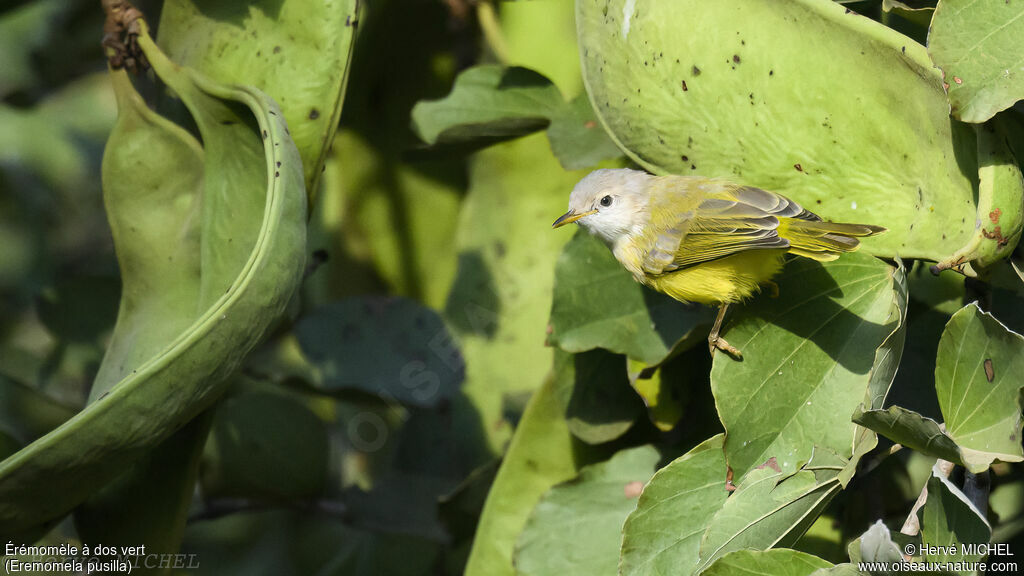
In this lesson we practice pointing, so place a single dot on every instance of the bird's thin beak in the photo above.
(570, 217)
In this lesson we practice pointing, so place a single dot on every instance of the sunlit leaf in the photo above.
(769, 509)
(977, 46)
(809, 356)
(296, 51)
(948, 521)
(977, 379)
(685, 495)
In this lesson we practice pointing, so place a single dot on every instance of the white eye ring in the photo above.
(606, 201)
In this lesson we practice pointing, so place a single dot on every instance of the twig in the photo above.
(121, 36)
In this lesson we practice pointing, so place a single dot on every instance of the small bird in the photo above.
(700, 239)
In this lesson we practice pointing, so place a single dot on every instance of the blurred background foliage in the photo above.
(427, 249)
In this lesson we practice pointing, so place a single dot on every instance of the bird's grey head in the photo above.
(609, 203)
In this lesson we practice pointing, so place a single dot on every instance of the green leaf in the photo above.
(779, 562)
(542, 454)
(890, 352)
(757, 99)
(911, 430)
(578, 139)
(977, 46)
(948, 519)
(977, 380)
(770, 508)
(489, 103)
(191, 307)
(296, 51)
(264, 446)
(389, 347)
(809, 357)
(597, 304)
(684, 495)
(876, 545)
(600, 405)
(576, 528)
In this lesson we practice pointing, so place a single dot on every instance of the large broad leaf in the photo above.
(223, 279)
(542, 454)
(948, 521)
(809, 356)
(977, 46)
(576, 528)
(780, 562)
(977, 379)
(663, 534)
(597, 304)
(788, 96)
(388, 347)
(296, 51)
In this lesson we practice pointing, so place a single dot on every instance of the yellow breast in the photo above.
(725, 280)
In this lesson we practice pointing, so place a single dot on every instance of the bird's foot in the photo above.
(773, 288)
(717, 343)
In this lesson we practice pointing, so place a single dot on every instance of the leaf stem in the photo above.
(489, 25)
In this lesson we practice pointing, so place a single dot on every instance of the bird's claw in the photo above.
(717, 343)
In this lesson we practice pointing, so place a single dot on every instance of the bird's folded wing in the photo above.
(728, 220)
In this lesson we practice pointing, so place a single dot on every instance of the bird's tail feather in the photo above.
(823, 241)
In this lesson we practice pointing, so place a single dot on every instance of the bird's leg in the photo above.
(717, 343)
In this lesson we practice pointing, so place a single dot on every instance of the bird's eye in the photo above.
(606, 201)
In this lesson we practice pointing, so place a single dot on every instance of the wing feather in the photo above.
(728, 219)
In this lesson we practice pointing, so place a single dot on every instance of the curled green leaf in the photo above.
(295, 51)
(234, 258)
